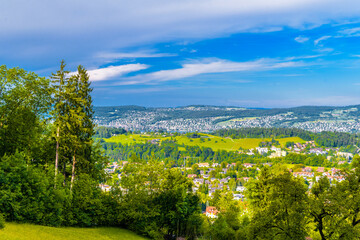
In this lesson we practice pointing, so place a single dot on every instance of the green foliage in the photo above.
(335, 208)
(277, 205)
(2, 221)
(158, 202)
(107, 132)
(273, 142)
(220, 230)
(24, 102)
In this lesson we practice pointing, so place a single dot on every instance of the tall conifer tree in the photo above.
(82, 128)
(59, 79)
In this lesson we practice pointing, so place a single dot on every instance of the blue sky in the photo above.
(172, 53)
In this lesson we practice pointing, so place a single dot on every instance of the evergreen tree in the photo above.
(59, 79)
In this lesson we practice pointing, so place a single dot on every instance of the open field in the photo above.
(14, 231)
(206, 140)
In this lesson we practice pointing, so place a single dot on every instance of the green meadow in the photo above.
(206, 140)
(15, 231)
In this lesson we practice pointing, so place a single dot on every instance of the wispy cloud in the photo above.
(110, 72)
(302, 57)
(317, 41)
(350, 32)
(207, 66)
(301, 39)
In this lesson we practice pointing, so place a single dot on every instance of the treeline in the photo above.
(264, 133)
(174, 155)
(325, 139)
(107, 132)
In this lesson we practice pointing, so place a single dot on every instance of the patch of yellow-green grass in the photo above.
(182, 149)
(220, 143)
(206, 140)
(229, 144)
(15, 231)
(132, 138)
(283, 141)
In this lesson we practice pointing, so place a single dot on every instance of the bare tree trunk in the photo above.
(73, 173)
(57, 154)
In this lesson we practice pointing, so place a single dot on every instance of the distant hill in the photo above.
(210, 118)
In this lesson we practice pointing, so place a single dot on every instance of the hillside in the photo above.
(14, 231)
(206, 140)
(211, 118)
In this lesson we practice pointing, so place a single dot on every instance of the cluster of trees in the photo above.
(325, 139)
(280, 206)
(107, 132)
(273, 142)
(173, 155)
(258, 132)
(157, 202)
(51, 168)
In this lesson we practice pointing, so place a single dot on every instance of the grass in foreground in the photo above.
(15, 231)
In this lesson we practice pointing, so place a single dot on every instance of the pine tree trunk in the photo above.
(73, 172)
(57, 154)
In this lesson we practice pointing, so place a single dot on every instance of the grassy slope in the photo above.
(214, 142)
(14, 231)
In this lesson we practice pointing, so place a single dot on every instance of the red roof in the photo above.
(212, 210)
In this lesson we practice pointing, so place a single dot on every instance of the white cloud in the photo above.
(301, 39)
(207, 66)
(106, 25)
(302, 57)
(317, 41)
(110, 72)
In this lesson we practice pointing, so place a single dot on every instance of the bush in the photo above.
(2, 221)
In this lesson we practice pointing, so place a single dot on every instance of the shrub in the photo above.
(2, 221)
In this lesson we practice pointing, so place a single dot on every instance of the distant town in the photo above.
(209, 118)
